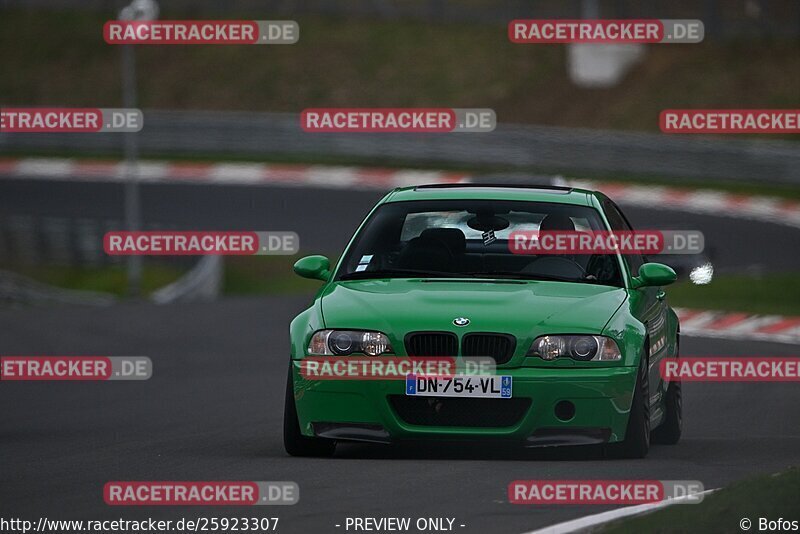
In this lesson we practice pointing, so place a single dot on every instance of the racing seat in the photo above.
(555, 264)
(556, 222)
(435, 249)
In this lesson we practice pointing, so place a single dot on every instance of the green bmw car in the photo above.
(575, 339)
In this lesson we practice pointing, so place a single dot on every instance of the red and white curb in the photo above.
(703, 201)
(718, 203)
(594, 520)
(727, 325)
(322, 176)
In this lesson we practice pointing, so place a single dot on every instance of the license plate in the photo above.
(496, 387)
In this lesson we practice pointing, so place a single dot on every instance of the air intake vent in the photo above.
(432, 344)
(500, 347)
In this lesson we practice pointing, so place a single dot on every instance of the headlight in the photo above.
(344, 342)
(581, 348)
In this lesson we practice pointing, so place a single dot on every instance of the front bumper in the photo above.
(379, 411)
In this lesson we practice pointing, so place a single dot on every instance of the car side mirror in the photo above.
(654, 275)
(314, 267)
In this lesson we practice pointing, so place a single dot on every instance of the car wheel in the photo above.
(637, 434)
(669, 432)
(295, 443)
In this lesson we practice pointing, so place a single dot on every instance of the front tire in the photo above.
(637, 434)
(295, 443)
(669, 432)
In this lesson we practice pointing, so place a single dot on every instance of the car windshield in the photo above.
(470, 239)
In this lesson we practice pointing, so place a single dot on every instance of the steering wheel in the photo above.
(558, 266)
(601, 267)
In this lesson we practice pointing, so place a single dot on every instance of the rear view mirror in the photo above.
(314, 267)
(654, 275)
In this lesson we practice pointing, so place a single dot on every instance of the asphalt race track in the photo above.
(213, 408)
(326, 218)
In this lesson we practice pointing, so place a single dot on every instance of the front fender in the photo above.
(629, 333)
(673, 329)
(300, 329)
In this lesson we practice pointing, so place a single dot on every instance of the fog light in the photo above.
(564, 410)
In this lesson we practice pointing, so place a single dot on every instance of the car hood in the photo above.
(523, 309)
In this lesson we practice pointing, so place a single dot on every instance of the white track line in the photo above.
(604, 517)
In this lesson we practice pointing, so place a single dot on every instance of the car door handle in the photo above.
(661, 294)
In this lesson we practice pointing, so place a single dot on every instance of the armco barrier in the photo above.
(202, 283)
(569, 150)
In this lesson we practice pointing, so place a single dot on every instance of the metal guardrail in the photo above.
(202, 283)
(28, 240)
(552, 149)
(16, 289)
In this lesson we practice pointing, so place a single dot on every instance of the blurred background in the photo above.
(222, 149)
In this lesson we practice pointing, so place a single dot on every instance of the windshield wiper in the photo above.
(398, 273)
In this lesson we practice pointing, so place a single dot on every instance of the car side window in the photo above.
(619, 223)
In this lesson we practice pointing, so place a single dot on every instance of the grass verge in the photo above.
(107, 278)
(59, 58)
(767, 496)
(266, 275)
(261, 275)
(774, 293)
